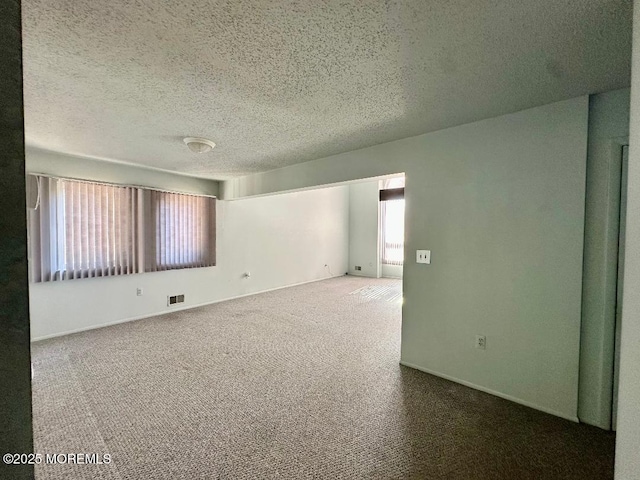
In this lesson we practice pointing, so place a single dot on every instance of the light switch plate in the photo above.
(423, 256)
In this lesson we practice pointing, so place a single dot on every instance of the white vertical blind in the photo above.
(83, 229)
(184, 230)
(98, 229)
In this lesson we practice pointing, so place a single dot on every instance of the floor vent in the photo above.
(173, 299)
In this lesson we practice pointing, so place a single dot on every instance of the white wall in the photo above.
(608, 131)
(628, 436)
(363, 228)
(70, 166)
(282, 240)
(500, 203)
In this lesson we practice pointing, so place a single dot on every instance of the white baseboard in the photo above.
(360, 275)
(178, 309)
(493, 392)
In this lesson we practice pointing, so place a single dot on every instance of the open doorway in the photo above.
(391, 227)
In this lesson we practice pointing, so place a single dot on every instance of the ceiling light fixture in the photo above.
(199, 145)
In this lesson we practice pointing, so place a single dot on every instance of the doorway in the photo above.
(392, 227)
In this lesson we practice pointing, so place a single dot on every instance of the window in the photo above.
(181, 231)
(83, 229)
(392, 220)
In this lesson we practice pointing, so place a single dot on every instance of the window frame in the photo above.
(46, 237)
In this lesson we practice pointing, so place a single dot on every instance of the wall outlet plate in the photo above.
(423, 256)
(139, 292)
(481, 342)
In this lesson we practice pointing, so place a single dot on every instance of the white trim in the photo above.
(172, 310)
(493, 392)
(360, 275)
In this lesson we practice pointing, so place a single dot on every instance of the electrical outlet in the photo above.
(358, 268)
(423, 256)
(139, 292)
(481, 342)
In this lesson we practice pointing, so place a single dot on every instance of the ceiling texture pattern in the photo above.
(275, 83)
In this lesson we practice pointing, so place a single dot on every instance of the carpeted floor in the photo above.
(298, 383)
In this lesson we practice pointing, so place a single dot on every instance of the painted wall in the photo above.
(628, 436)
(608, 130)
(281, 240)
(363, 228)
(500, 203)
(69, 166)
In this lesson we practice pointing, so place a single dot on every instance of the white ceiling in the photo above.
(275, 83)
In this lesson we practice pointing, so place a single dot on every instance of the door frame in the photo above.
(622, 220)
(388, 271)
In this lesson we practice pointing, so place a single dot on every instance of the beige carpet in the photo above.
(298, 383)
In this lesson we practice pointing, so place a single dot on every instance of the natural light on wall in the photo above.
(392, 228)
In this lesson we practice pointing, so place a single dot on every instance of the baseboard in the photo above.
(360, 275)
(492, 392)
(173, 310)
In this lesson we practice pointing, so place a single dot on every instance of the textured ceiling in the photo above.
(280, 82)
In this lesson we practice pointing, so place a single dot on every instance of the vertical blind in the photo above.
(392, 216)
(83, 229)
(184, 229)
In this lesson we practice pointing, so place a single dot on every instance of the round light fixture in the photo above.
(199, 145)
